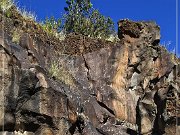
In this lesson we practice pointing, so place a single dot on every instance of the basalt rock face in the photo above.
(131, 87)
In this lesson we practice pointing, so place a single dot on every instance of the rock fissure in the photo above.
(128, 87)
(87, 68)
(104, 106)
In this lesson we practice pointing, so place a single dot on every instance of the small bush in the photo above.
(16, 34)
(8, 13)
(54, 26)
(51, 25)
(60, 73)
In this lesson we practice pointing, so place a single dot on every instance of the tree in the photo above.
(83, 19)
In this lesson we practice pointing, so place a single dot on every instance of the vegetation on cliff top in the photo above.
(80, 22)
(6, 5)
(80, 17)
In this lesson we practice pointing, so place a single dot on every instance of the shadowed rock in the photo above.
(130, 87)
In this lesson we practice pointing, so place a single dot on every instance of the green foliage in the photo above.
(8, 13)
(78, 6)
(81, 18)
(51, 25)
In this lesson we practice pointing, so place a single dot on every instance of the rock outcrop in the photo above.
(82, 86)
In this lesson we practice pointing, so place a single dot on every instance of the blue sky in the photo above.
(161, 11)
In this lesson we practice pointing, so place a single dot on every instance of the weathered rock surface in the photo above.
(131, 87)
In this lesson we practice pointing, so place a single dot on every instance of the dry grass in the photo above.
(6, 4)
(61, 73)
(16, 35)
(28, 15)
(113, 38)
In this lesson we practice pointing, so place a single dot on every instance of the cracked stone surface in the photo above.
(131, 87)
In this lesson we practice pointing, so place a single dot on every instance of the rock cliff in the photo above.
(83, 86)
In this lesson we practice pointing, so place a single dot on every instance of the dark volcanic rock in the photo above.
(128, 88)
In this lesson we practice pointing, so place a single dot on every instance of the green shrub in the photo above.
(81, 18)
(51, 25)
(8, 13)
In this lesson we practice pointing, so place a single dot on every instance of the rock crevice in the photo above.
(131, 87)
